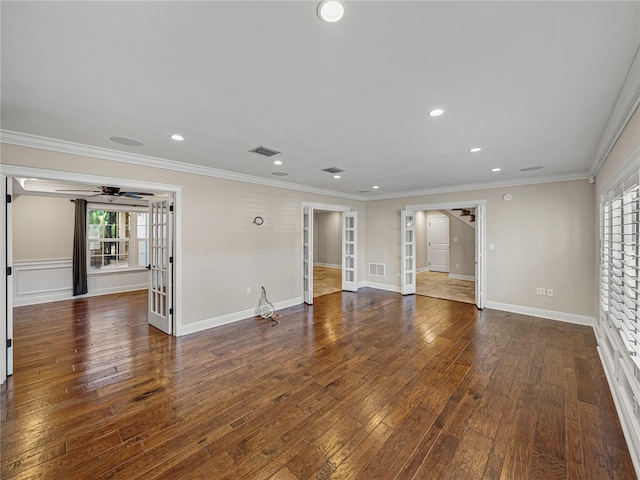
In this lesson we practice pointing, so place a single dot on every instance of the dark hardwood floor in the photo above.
(370, 385)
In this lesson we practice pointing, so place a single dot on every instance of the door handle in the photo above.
(148, 267)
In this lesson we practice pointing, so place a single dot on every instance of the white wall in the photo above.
(223, 252)
(327, 238)
(542, 238)
(462, 255)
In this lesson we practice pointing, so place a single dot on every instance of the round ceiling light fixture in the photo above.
(497, 169)
(177, 137)
(277, 162)
(127, 141)
(436, 112)
(375, 187)
(330, 10)
(475, 149)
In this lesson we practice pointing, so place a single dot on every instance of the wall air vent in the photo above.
(267, 152)
(376, 269)
(333, 170)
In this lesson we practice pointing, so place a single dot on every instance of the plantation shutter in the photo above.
(620, 261)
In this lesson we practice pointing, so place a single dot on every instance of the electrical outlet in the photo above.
(398, 274)
(457, 265)
(248, 290)
(549, 292)
(540, 291)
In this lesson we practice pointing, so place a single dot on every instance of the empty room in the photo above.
(219, 218)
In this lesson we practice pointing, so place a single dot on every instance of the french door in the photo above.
(160, 264)
(307, 254)
(349, 251)
(408, 257)
(480, 226)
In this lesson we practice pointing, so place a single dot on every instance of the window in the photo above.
(118, 238)
(620, 262)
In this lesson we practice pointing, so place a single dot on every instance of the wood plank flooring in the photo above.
(439, 285)
(370, 385)
(326, 280)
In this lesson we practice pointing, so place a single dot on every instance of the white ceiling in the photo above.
(532, 83)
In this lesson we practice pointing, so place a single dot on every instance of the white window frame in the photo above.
(132, 240)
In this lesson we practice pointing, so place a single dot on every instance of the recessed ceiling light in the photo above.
(127, 141)
(336, 176)
(475, 149)
(496, 169)
(436, 112)
(177, 137)
(376, 186)
(277, 162)
(330, 10)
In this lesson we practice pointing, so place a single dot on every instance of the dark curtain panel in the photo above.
(80, 249)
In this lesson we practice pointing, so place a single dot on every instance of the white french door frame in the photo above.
(308, 210)
(8, 172)
(480, 240)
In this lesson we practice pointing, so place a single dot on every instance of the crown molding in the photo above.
(487, 185)
(63, 146)
(626, 104)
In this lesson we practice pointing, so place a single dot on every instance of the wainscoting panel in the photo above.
(41, 281)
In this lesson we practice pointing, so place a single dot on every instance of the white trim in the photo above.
(485, 186)
(630, 429)
(326, 207)
(626, 104)
(539, 312)
(630, 164)
(328, 265)
(44, 143)
(455, 276)
(422, 269)
(383, 286)
(231, 317)
(445, 205)
(67, 294)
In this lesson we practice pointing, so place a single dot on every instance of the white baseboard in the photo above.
(383, 286)
(67, 294)
(328, 265)
(539, 312)
(194, 327)
(455, 276)
(630, 428)
(422, 269)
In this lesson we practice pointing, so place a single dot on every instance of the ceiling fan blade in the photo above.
(130, 195)
(138, 193)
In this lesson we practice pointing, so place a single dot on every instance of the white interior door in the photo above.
(438, 243)
(408, 258)
(8, 238)
(307, 254)
(350, 251)
(480, 275)
(160, 258)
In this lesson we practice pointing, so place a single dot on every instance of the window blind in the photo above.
(620, 261)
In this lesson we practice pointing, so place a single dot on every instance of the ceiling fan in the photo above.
(110, 192)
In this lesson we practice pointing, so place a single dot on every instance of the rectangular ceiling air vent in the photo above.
(267, 152)
(333, 170)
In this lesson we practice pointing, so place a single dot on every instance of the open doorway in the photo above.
(327, 252)
(445, 254)
(458, 263)
(40, 272)
(348, 247)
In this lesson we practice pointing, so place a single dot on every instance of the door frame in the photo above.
(313, 207)
(175, 191)
(480, 239)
